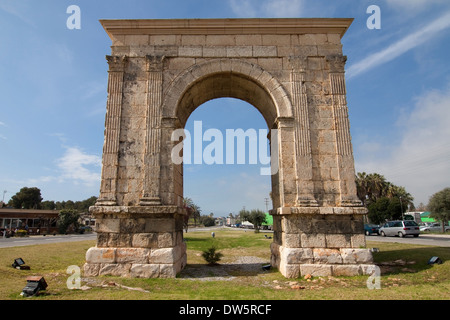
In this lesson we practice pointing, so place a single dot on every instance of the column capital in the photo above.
(284, 122)
(154, 63)
(336, 63)
(117, 63)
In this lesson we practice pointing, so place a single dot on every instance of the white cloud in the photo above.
(421, 160)
(267, 8)
(400, 47)
(3, 137)
(79, 167)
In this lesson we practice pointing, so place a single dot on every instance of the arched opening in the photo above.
(224, 183)
(242, 88)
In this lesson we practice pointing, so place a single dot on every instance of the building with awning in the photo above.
(33, 220)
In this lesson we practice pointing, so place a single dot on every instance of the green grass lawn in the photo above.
(405, 274)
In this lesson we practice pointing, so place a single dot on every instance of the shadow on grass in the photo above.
(225, 271)
(409, 260)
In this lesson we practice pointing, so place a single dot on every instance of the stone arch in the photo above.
(232, 78)
(292, 71)
(239, 79)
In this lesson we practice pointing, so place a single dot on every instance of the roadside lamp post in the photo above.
(401, 207)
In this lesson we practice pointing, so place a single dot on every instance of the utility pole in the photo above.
(401, 207)
(266, 200)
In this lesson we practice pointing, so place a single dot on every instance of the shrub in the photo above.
(211, 256)
(21, 233)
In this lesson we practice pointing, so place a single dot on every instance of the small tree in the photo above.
(26, 198)
(211, 256)
(66, 218)
(439, 206)
(207, 221)
(256, 217)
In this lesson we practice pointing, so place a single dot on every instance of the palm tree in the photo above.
(373, 186)
(362, 187)
(377, 184)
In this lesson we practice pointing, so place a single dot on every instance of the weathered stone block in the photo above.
(346, 270)
(167, 270)
(144, 270)
(316, 270)
(119, 240)
(356, 256)
(115, 269)
(108, 225)
(327, 256)
(100, 255)
(291, 240)
(163, 256)
(159, 225)
(297, 255)
(132, 255)
(132, 225)
(91, 269)
(165, 240)
(313, 240)
(338, 241)
(145, 240)
(289, 270)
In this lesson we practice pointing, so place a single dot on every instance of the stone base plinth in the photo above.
(135, 262)
(320, 241)
(296, 262)
(140, 242)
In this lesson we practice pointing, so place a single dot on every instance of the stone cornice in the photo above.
(226, 26)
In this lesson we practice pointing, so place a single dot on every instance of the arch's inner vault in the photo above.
(292, 71)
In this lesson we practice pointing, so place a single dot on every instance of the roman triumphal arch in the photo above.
(292, 71)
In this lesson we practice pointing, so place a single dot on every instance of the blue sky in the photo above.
(53, 95)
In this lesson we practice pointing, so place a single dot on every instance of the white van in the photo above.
(400, 228)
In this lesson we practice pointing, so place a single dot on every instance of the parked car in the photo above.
(434, 227)
(400, 228)
(370, 229)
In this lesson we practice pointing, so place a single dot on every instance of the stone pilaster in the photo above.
(152, 184)
(110, 162)
(303, 157)
(344, 155)
(286, 161)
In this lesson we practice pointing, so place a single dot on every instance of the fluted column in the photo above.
(152, 159)
(303, 156)
(110, 161)
(346, 166)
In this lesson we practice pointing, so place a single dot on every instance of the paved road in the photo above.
(423, 239)
(33, 240)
